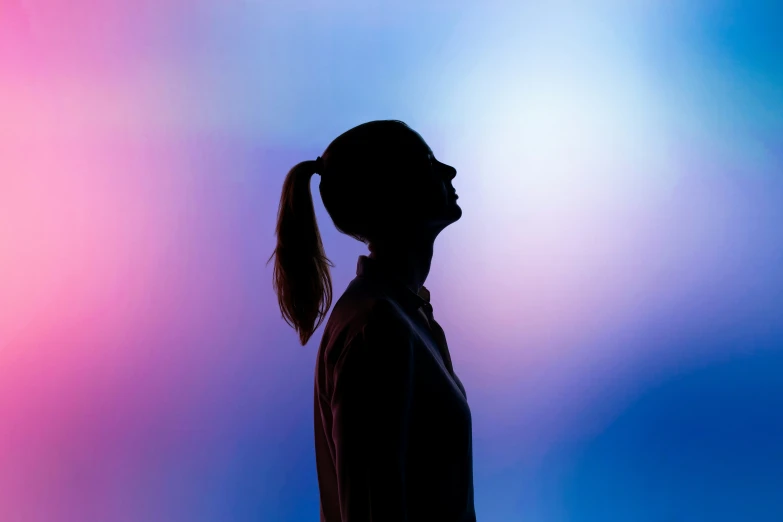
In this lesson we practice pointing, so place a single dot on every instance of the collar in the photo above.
(371, 269)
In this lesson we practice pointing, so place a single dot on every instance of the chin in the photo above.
(453, 213)
(445, 217)
(455, 208)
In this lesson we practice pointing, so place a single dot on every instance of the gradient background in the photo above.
(613, 295)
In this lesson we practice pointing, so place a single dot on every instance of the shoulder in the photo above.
(363, 319)
(381, 349)
(366, 321)
(362, 305)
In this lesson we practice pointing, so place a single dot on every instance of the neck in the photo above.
(408, 260)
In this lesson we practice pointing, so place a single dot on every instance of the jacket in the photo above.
(393, 430)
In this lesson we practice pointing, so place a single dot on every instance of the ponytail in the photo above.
(301, 272)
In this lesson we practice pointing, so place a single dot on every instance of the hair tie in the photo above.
(319, 165)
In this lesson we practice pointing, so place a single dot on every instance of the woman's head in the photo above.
(380, 183)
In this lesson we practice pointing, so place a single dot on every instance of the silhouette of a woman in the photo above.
(392, 424)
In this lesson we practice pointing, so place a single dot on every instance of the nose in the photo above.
(448, 171)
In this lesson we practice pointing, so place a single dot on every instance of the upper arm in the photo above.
(373, 387)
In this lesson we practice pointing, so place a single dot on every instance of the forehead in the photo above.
(416, 143)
